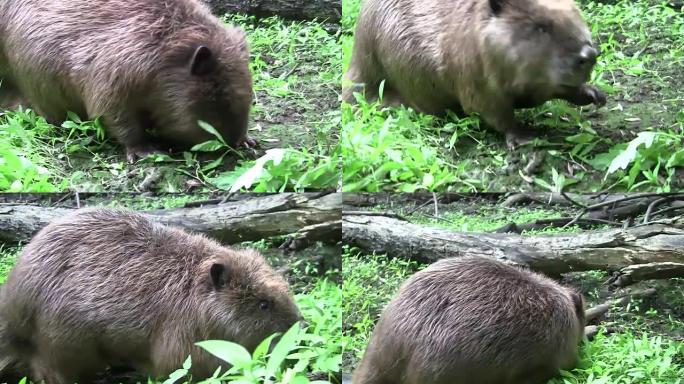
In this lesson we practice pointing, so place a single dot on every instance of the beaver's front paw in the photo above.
(137, 152)
(597, 96)
(519, 137)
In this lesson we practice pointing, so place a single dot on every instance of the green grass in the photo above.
(26, 162)
(634, 143)
(628, 358)
(490, 215)
(8, 256)
(494, 218)
(296, 117)
(642, 352)
(369, 283)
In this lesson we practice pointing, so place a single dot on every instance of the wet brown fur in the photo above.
(474, 321)
(436, 55)
(103, 287)
(128, 62)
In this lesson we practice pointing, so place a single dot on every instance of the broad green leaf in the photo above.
(629, 154)
(227, 351)
(208, 146)
(285, 345)
(74, 117)
(581, 138)
(207, 127)
(187, 363)
(253, 174)
(173, 377)
(262, 348)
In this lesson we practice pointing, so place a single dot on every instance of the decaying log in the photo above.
(249, 219)
(323, 10)
(650, 271)
(569, 199)
(590, 331)
(330, 232)
(551, 254)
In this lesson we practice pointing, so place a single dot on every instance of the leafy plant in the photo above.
(261, 367)
(627, 358)
(650, 159)
(385, 148)
(24, 164)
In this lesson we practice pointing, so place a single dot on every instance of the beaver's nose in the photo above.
(587, 56)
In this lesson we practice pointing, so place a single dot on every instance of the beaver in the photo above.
(155, 66)
(484, 56)
(104, 287)
(473, 320)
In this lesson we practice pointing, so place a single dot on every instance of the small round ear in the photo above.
(219, 275)
(578, 301)
(203, 61)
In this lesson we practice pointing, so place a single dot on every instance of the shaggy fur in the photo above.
(474, 321)
(485, 56)
(136, 64)
(103, 287)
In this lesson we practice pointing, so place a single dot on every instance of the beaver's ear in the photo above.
(203, 61)
(219, 275)
(578, 301)
(497, 5)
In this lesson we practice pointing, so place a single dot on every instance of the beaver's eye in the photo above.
(541, 28)
(263, 305)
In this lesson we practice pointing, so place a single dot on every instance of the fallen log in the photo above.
(249, 219)
(550, 254)
(651, 271)
(322, 10)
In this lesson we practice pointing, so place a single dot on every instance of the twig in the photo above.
(366, 213)
(227, 198)
(434, 198)
(199, 203)
(291, 71)
(576, 203)
(577, 218)
(409, 213)
(633, 197)
(653, 204)
(620, 200)
(438, 218)
(64, 197)
(666, 210)
(556, 222)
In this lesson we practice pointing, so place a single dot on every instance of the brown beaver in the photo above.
(485, 56)
(140, 65)
(474, 321)
(107, 287)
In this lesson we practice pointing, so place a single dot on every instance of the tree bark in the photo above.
(250, 219)
(550, 254)
(322, 10)
(635, 273)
